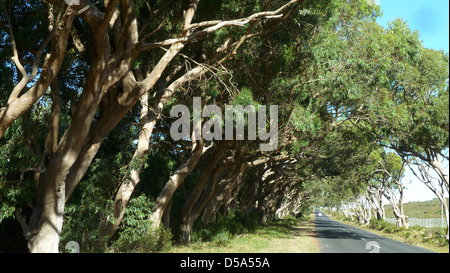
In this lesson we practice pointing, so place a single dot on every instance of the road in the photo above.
(335, 237)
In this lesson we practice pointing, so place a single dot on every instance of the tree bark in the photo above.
(375, 199)
(109, 226)
(222, 191)
(190, 211)
(425, 177)
(397, 207)
(47, 217)
(148, 121)
(175, 180)
(117, 107)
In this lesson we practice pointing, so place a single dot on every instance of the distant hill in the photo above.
(424, 209)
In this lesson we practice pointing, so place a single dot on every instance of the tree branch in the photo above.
(214, 26)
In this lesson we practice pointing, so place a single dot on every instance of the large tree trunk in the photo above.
(47, 217)
(109, 226)
(400, 218)
(363, 213)
(175, 180)
(116, 106)
(189, 211)
(48, 212)
(54, 208)
(206, 196)
(222, 191)
(375, 199)
(437, 165)
(444, 176)
(248, 201)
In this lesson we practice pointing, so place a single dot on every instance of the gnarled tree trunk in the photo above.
(191, 210)
(175, 180)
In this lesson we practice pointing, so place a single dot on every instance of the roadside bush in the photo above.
(434, 236)
(135, 233)
(304, 212)
(82, 216)
(225, 227)
(383, 225)
(222, 238)
(154, 240)
(378, 224)
(288, 221)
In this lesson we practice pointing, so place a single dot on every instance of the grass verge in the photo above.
(281, 236)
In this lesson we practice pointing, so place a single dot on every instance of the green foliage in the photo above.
(19, 152)
(156, 240)
(304, 212)
(135, 221)
(224, 227)
(136, 233)
(83, 215)
(244, 98)
(384, 225)
(433, 236)
(91, 201)
(344, 85)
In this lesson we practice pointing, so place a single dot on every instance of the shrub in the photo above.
(222, 237)
(154, 240)
(436, 236)
(82, 216)
(135, 233)
(290, 220)
(225, 227)
(379, 224)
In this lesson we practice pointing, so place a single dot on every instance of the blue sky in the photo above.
(431, 19)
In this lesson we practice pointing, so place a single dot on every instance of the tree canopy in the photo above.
(87, 89)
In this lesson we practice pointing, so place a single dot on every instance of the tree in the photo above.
(111, 88)
(433, 180)
(392, 168)
(410, 114)
(85, 123)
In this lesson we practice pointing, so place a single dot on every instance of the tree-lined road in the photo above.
(335, 237)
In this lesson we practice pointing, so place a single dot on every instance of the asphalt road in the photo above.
(335, 237)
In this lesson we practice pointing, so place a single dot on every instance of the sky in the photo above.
(431, 19)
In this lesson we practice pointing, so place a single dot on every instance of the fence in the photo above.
(424, 222)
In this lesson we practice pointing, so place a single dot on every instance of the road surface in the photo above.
(335, 237)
